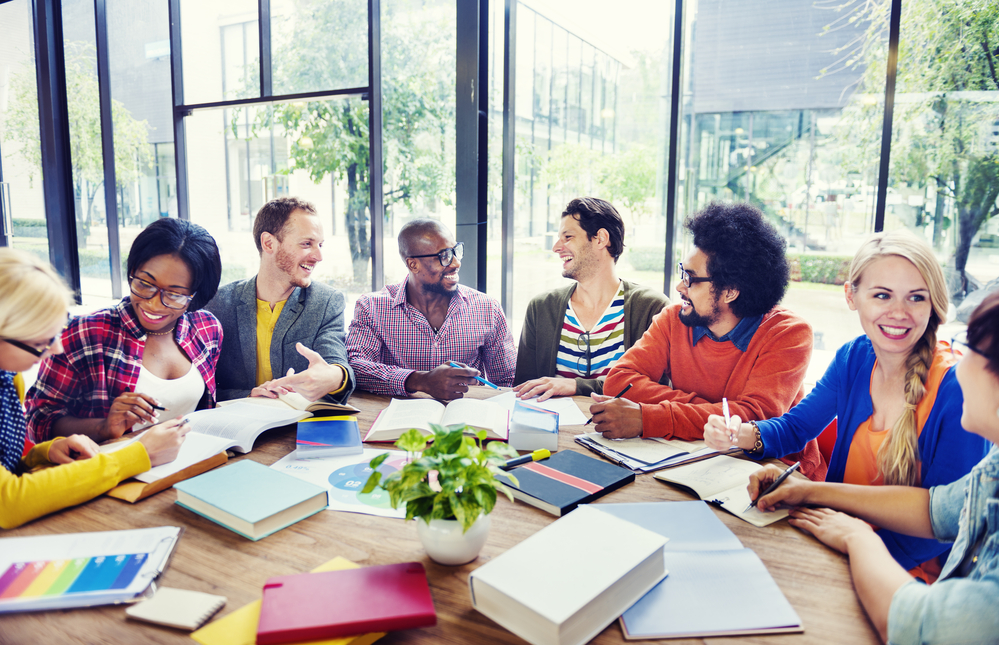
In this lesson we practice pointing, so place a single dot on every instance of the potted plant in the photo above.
(450, 485)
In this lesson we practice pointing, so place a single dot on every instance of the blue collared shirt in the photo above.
(740, 336)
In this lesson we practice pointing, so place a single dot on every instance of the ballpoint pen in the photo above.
(477, 378)
(619, 395)
(728, 420)
(777, 482)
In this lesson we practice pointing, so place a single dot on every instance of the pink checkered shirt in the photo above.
(389, 339)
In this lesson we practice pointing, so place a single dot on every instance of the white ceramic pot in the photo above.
(446, 544)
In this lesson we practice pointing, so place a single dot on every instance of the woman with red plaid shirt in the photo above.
(149, 358)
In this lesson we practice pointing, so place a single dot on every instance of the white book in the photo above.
(404, 414)
(570, 580)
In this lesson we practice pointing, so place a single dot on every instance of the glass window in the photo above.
(20, 152)
(220, 50)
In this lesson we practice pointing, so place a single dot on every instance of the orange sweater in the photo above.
(763, 382)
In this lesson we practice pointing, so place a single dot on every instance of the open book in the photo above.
(722, 481)
(648, 455)
(235, 427)
(403, 414)
(296, 401)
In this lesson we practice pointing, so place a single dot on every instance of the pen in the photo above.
(619, 395)
(728, 419)
(477, 378)
(777, 482)
(537, 455)
(156, 407)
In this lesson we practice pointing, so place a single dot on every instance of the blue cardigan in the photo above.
(946, 450)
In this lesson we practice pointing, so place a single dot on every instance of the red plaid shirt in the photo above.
(103, 354)
(389, 339)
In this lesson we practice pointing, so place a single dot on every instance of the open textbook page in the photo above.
(403, 414)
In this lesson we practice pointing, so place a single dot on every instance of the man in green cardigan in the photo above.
(573, 335)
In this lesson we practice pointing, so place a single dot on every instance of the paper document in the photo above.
(569, 413)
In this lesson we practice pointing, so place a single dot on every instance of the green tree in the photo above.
(331, 137)
(131, 150)
(947, 94)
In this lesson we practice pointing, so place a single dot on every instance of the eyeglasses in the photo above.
(584, 337)
(146, 291)
(685, 277)
(37, 352)
(447, 255)
(959, 345)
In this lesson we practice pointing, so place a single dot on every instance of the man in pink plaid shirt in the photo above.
(403, 338)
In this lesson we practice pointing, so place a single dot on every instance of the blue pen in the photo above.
(477, 378)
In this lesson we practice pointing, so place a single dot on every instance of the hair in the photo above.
(594, 214)
(188, 241)
(983, 330)
(898, 458)
(32, 295)
(745, 252)
(416, 229)
(273, 217)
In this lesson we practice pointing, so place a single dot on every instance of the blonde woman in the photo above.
(33, 309)
(892, 391)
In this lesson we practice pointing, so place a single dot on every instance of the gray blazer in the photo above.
(312, 316)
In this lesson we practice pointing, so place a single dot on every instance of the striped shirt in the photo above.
(591, 354)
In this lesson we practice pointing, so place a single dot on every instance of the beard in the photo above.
(438, 288)
(694, 319)
(286, 263)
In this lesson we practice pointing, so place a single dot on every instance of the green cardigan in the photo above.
(543, 326)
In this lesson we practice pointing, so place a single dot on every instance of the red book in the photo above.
(334, 604)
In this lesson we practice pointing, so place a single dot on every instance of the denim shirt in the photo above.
(957, 609)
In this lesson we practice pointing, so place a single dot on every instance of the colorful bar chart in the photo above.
(64, 577)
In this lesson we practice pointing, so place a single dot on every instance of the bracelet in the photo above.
(758, 446)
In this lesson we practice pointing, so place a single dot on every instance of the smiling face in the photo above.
(428, 272)
(699, 305)
(300, 248)
(15, 359)
(893, 302)
(577, 252)
(170, 273)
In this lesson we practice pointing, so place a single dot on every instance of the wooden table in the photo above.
(213, 559)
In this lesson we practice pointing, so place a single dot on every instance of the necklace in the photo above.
(161, 333)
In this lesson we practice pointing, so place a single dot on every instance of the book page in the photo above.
(645, 450)
(196, 447)
(242, 422)
(483, 415)
(712, 476)
(736, 500)
(403, 414)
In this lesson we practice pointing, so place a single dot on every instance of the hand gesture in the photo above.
(546, 387)
(792, 492)
(127, 410)
(66, 450)
(269, 390)
(720, 437)
(163, 441)
(318, 380)
(616, 418)
(444, 382)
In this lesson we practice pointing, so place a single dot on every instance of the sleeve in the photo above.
(527, 350)
(962, 610)
(330, 345)
(642, 367)
(59, 384)
(498, 354)
(49, 489)
(364, 349)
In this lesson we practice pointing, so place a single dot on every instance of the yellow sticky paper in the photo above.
(240, 627)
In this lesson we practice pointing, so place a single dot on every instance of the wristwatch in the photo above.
(758, 446)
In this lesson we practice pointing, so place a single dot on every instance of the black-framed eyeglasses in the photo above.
(447, 255)
(959, 345)
(37, 352)
(147, 291)
(686, 278)
(583, 344)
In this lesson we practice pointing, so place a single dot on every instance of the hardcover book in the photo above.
(328, 437)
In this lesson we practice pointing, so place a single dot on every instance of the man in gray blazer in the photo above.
(281, 332)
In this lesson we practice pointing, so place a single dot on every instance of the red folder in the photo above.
(333, 604)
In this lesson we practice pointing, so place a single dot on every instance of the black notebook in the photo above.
(565, 480)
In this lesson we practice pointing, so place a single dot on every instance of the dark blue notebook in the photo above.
(328, 437)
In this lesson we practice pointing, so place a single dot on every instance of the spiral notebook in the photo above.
(180, 608)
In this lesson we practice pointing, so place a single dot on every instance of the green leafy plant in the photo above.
(454, 478)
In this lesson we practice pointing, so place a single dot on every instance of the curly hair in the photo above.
(745, 252)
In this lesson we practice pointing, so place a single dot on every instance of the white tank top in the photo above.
(179, 396)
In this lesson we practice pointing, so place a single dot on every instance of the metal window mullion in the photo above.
(674, 142)
(890, 74)
(179, 113)
(107, 146)
(376, 207)
(509, 152)
(264, 26)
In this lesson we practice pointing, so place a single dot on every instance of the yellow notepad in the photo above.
(240, 627)
(180, 608)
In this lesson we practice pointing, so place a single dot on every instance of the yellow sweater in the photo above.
(45, 489)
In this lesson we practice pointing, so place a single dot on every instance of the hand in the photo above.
(66, 450)
(793, 491)
(546, 387)
(319, 378)
(444, 382)
(832, 528)
(127, 410)
(616, 418)
(163, 441)
(268, 390)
